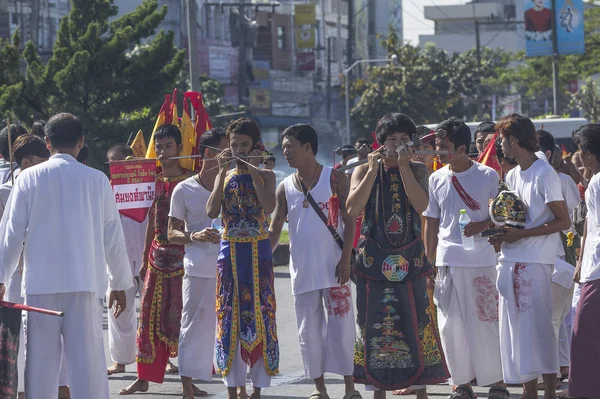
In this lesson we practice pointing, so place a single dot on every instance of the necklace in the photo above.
(305, 202)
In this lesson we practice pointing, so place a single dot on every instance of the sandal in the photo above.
(318, 395)
(353, 395)
(463, 392)
(498, 392)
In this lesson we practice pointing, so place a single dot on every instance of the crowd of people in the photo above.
(429, 309)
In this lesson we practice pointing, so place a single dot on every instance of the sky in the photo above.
(415, 23)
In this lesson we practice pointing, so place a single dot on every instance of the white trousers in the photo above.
(468, 323)
(237, 374)
(198, 324)
(326, 343)
(528, 343)
(564, 345)
(122, 331)
(81, 330)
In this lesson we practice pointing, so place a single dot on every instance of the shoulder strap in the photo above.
(321, 215)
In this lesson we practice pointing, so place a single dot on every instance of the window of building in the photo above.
(281, 37)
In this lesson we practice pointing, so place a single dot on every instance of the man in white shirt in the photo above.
(465, 289)
(584, 372)
(5, 167)
(189, 225)
(527, 339)
(122, 331)
(319, 268)
(66, 268)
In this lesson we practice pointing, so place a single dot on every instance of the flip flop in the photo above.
(498, 392)
(463, 392)
(353, 395)
(318, 395)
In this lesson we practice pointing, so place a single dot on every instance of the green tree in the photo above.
(91, 74)
(587, 98)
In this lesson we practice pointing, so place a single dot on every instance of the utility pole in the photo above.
(478, 51)
(193, 44)
(328, 78)
(242, 81)
(554, 59)
(349, 59)
(35, 18)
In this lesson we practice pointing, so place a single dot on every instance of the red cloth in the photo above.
(337, 166)
(538, 21)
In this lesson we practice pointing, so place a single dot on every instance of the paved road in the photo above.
(289, 384)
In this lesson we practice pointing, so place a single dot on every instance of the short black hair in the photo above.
(589, 139)
(83, 155)
(15, 132)
(521, 128)
(394, 123)
(64, 130)
(38, 128)
(167, 130)
(28, 145)
(362, 141)
(485, 127)
(576, 136)
(245, 126)
(211, 138)
(270, 158)
(120, 149)
(456, 131)
(546, 141)
(304, 133)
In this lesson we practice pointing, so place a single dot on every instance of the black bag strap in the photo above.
(321, 215)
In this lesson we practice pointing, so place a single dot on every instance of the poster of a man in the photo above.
(538, 20)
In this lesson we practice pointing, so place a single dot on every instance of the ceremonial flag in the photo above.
(164, 116)
(564, 151)
(187, 137)
(201, 124)
(138, 145)
(134, 184)
(488, 157)
(375, 144)
(437, 164)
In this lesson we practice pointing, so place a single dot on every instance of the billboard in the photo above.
(568, 20)
(305, 14)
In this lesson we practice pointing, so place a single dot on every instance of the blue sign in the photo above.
(569, 27)
(538, 27)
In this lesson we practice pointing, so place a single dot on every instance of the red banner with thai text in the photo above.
(134, 184)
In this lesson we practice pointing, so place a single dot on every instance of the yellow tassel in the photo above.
(570, 237)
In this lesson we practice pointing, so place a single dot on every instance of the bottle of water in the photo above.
(217, 224)
(463, 221)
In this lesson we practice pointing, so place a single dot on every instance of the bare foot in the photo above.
(171, 368)
(403, 392)
(564, 394)
(116, 368)
(192, 392)
(137, 386)
(64, 392)
(540, 386)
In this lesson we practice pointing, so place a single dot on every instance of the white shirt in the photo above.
(135, 240)
(481, 183)
(314, 253)
(350, 162)
(188, 203)
(572, 198)
(63, 216)
(590, 266)
(537, 186)
(5, 171)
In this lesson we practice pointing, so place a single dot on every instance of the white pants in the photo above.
(528, 343)
(564, 345)
(198, 324)
(468, 323)
(81, 330)
(237, 374)
(122, 331)
(327, 345)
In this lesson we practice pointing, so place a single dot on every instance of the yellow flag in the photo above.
(187, 138)
(138, 145)
(160, 120)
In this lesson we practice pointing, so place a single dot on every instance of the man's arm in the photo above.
(361, 185)
(264, 185)
(414, 177)
(177, 234)
(13, 230)
(120, 277)
(342, 189)
(279, 217)
(432, 228)
(213, 205)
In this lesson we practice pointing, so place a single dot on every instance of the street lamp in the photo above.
(345, 72)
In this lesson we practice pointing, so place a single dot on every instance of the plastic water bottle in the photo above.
(463, 221)
(217, 224)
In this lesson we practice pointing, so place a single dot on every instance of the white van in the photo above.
(561, 128)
